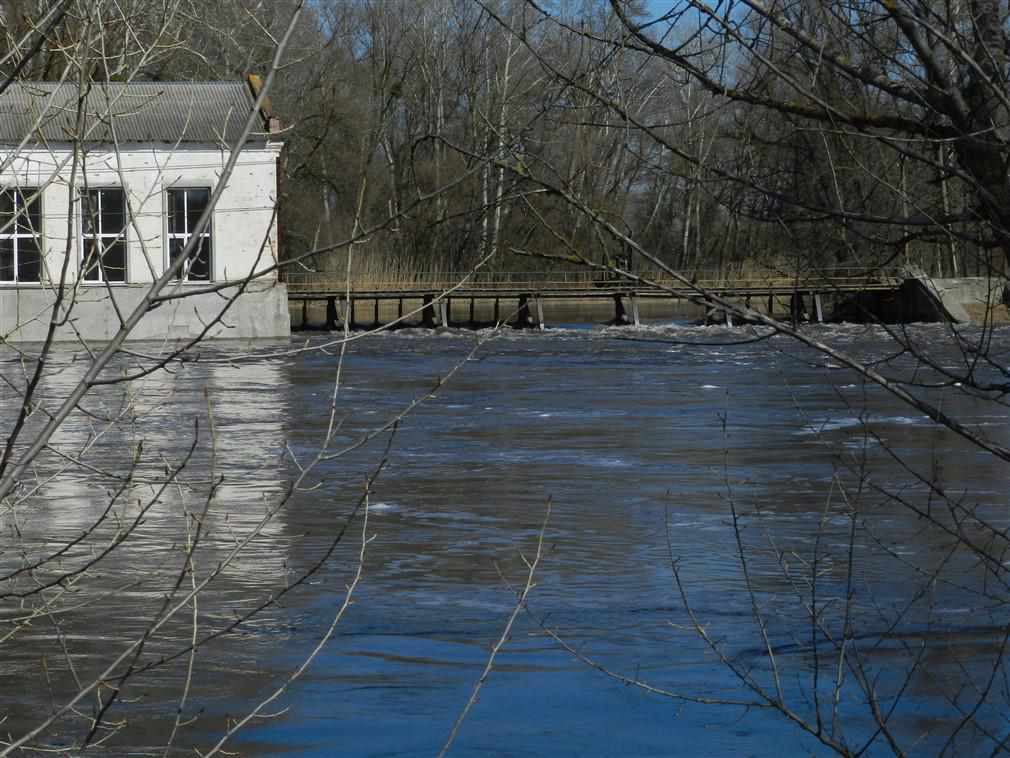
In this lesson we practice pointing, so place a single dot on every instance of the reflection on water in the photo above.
(660, 460)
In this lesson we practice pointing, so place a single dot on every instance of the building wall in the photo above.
(243, 220)
(244, 231)
(260, 311)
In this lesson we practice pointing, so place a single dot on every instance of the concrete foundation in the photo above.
(259, 312)
(965, 300)
(972, 299)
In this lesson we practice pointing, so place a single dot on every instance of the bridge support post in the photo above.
(797, 310)
(471, 322)
(523, 313)
(540, 313)
(399, 308)
(497, 316)
(443, 311)
(729, 317)
(349, 313)
(634, 309)
(331, 313)
(771, 306)
(428, 312)
(818, 309)
(620, 315)
(375, 313)
(305, 314)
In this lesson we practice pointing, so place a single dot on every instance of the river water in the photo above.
(665, 453)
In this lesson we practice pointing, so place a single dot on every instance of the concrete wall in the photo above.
(972, 299)
(260, 312)
(244, 234)
(919, 298)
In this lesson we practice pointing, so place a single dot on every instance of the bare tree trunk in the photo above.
(501, 136)
(941, 160)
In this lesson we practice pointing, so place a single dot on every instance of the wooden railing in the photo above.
(587, 280)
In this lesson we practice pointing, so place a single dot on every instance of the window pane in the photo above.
(175, 247)
(29, 260)
(30, 217)
(89, 211)
(113, 211)
(6, 212)
(176, 211)
(90, 264)
(198, 200)
(199, 265)
(185, 206)
(6, 259)
(114, 262)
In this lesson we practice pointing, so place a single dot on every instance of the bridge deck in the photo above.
(579, 284)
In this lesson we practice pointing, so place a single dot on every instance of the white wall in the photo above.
(260, 311)
(244, 229)
(243, 223)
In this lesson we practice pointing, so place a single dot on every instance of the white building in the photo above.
(100, 230)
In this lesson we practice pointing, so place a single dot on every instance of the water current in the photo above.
(664, 452)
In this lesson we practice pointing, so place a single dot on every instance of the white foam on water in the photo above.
(857, 443)
(694, 523)
(848, 422)
(710, 387)
(482, 605)
(610, 462)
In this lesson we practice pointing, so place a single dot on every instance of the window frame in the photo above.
(184, 237)
(101, 236)
(11, 232)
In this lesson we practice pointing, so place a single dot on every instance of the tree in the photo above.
(447, 134)
(77, 422)
(868, 133)
(899, 77)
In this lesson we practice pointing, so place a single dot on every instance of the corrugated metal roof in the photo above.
(204, 112)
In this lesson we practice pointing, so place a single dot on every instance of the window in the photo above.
(103, 232)
(185, 206)
(20, 235)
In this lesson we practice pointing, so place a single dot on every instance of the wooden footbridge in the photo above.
(427, 300)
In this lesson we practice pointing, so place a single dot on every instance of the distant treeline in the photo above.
(440, 133)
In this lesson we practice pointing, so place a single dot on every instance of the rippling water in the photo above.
(646, 448)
